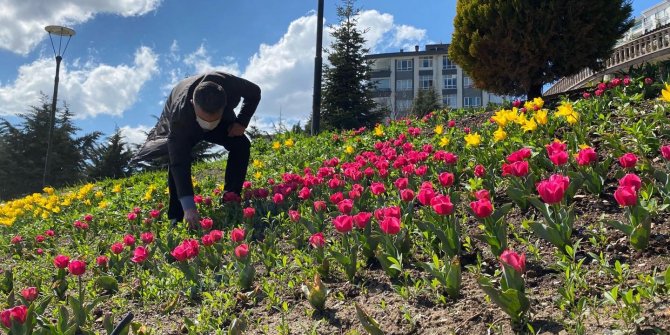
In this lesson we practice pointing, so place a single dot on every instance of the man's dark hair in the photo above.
(210, 96)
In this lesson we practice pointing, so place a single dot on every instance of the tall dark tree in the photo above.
(425, 102)
(24, 149)
(515, 47)
(110, 159)
(347, 90)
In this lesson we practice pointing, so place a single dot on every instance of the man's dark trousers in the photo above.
(236, 169)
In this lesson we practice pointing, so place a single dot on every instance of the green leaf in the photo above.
(626, 229)
(369, 324)
(107, 283)
(77, 310)
(667, 277)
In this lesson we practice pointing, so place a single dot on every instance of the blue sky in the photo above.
(127, 54)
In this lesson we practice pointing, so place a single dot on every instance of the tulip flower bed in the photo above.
(528, 218)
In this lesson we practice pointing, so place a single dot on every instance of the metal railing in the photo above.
(644, 48)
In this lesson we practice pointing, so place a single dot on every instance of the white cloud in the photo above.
(405, 36)
(374, 25)
(134, 135)
(23, 21)
(90, 89)
(201, 62)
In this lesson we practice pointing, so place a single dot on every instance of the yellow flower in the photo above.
(439, 129)
(529, 125)
(257, 175)
(499, 135)
(665, 93)
(444, 141)
(103, 204)
(99, 194)
(473, 140)
(117, 188)
(541, 117)
(584, 146)
(276, 145)
(500, 117)
(538, 102)
(258, 163)
(349, 149)
(379, 130)
(289, 143)
(48, 190)
(566, 110)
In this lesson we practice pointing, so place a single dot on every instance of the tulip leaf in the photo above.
(369, 324)
(108, 284)
(667, 277)
(78, 310)
(626, 229)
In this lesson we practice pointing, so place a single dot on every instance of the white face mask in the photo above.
(207, 125)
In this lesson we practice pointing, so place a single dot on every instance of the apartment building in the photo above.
(652, 18)
(399, 76)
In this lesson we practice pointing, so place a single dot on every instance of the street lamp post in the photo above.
(316, 102)
(60, 32)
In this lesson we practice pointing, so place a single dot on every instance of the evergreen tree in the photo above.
(111, 160)
(515, 47)
(425, 102)
(347, 89)
(24, 150)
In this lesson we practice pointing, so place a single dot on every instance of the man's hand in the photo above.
(236, 129)
(192, 218)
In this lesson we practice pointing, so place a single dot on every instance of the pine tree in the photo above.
(111, 160)
(515, 47)
(24, 148)
(347, 89)
(425, 102)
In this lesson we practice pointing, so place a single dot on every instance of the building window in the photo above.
(403, 85)
(383, 84)
(449, 100)
(472, 101)
(425, 82)
(447, 64)
(404, 65)
(426, 62)
(450, 81)
(403, 105)
(467, 82)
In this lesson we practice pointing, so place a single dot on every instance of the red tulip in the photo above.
(480, 171)
(665, 152)
(207, 240)
(361, 219)
(377, 188)
(241, 251)
(294, 215)
(147, 237)
(278, 198)
(425, 195)
(216, 235)
(482, 194)
(442, 204)
(407, 195)
(18, 313)
(117, 248)
(88, 217)
(248, 212)
(140, 255)
(631, 179)
(401, 183)
(343, 223)
(129, 240)
(61, 261)
(77, 267)
(29, 294)
(132, 216)
(559, 158)
(553, 189)
(586, 156)
(555, 146)
(390, 225)
(304, 193)
(517, 169)
(446, 179)
(237, 235)
(519, 155)
(482, 208)
(451, 123)
(102, 260)
(628, 160)
(516, 261)
(319, 205)
(336, 198)
(345, 206)
(16, 239)
(49, 233)
(317, 240)
(206, 223)
(154, 213)
(626, 196)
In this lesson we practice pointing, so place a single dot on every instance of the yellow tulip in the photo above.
(529, 125)
(665, 93)
(379, 130)
(289, 143)
(276, 145)
(439, 129)
(349, 149)
(499, 135)
(473, 139)
(444, 141)
(541, 117)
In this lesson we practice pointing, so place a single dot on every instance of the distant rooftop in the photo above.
(430, 49)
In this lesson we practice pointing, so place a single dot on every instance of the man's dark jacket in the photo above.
(177, 131)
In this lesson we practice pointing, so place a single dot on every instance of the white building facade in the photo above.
(400, 75)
